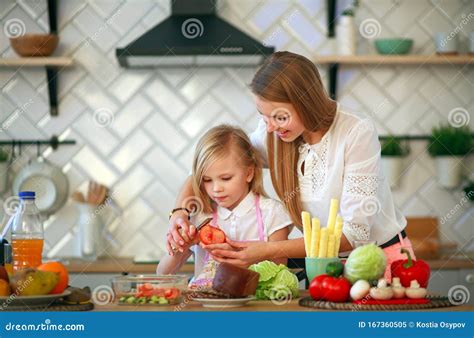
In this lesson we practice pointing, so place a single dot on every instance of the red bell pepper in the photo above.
(409, 269)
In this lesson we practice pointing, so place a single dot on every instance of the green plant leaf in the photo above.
(450, 141)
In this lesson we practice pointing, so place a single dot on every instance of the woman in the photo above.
(315, 151)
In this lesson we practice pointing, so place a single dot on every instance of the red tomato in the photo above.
(336, 289)
(324, 287)
(145, 290)
(315, 288)
(159, 292)
(145, 287)
(171, 293)
(211, 235)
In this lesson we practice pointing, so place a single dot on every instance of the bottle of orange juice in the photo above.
(27, 233)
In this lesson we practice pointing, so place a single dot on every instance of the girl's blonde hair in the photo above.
(217, 143)
(291, 78)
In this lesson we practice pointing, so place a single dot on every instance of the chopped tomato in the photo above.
(159, 292)
(211, 235)
(145, 286)
(171, 293)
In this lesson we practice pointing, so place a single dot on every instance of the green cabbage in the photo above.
(367, 262)
(267, 270)
(276, 282)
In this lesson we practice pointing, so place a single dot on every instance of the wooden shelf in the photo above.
(433, 59)
(335, 61)
(36, 62)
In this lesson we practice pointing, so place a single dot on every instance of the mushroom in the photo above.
(415, 291)
(360, 289)
(382, 291)
(398, 289)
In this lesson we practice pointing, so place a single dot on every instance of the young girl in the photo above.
(316, 151)
(227, 186)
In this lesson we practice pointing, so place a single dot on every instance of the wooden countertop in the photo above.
(119, 265)
(252, 306)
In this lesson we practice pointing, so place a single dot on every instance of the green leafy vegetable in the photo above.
(276, 282)
(366, 262)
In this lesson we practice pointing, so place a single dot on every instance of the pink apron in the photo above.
(205, 278)
(392, 253)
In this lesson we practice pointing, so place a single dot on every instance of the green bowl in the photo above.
(317, 266)
(393, 46)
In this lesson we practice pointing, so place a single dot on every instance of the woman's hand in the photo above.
(181, 234)
(237, 253)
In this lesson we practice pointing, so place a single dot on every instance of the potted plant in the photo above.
(3, 170)
(469, 191)
(392, 159)
(449, 145)
(346, 31)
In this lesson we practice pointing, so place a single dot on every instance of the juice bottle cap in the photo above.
(27, 194)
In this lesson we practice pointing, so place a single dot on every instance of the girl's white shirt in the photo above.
(240, 224)
(345, 164)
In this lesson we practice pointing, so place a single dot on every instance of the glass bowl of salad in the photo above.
(149, 289)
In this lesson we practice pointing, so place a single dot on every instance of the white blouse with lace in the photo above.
(345, 164)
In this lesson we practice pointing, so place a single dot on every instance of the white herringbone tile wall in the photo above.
(145, 151)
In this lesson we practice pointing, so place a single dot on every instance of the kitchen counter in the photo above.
(119, 265)
(252, 306)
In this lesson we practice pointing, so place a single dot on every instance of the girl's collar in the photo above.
(240, 210)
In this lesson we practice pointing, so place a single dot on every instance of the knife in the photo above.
(202, 224)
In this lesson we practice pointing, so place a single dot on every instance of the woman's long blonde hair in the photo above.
(215, 144)
(291, 78)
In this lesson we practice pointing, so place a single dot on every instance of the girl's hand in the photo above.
(241, 254)
(181, 235)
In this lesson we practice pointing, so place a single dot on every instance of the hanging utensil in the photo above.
(47, 180)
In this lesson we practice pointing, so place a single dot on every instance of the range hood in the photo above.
(193, 36)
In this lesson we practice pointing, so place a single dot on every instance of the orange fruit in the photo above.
(4, 288)
(4, 274)
(63, 275)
